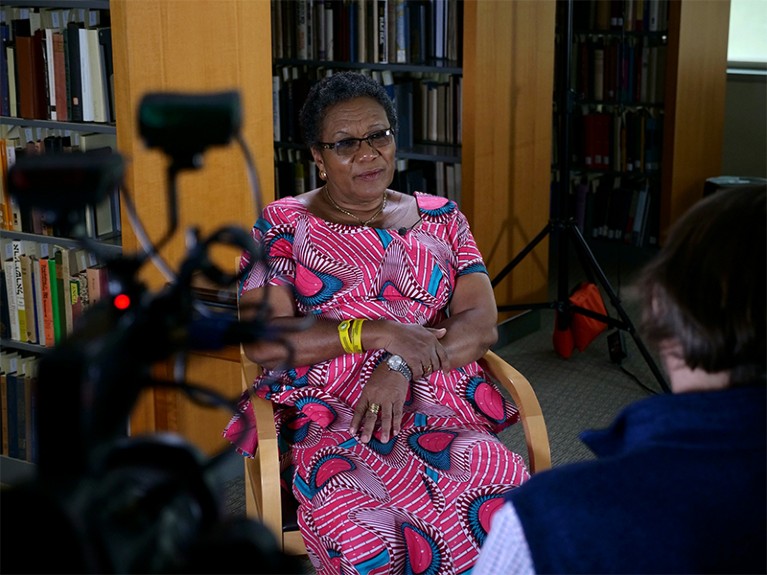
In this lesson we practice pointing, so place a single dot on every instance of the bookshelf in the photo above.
(421, 72)
(41, 113)
(647, 114)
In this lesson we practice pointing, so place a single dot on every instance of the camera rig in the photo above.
(103, 501)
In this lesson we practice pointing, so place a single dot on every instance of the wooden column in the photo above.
(507, 116)
(696, 82)
(193, 46)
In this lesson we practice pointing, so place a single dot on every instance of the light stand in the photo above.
(564, 229)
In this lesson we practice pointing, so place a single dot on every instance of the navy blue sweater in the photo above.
(678, 487)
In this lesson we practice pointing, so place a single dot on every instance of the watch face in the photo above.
(396, 363)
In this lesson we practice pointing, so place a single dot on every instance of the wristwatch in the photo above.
(396, 363)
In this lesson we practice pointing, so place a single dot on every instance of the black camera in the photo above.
(103, 501)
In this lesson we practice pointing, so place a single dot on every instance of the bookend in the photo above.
(565, 231)
(103, 502)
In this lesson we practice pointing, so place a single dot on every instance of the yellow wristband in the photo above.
(357, 335)
(343, 335)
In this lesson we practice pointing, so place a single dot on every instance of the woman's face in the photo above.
(363, 176)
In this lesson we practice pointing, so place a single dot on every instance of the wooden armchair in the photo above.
(264, 498)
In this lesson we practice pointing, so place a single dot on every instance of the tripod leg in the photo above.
(518, 258)
(588, 257)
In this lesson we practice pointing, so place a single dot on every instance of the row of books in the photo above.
(621, 140)
(101, 221)
(612, 207)
(56, 64)
(381, 31)
(629, 70)
(45, 289)
(429, 105)
(626, 15)
(438, 178)
(18, 405)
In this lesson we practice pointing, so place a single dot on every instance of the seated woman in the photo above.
(387, 423)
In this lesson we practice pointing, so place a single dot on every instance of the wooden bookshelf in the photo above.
(24, 231)
(674, 129)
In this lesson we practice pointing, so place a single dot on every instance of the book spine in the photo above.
(400, 15)
(60, 76)
(86, 85)
(30, 386)
(30, 76)
(50, 71)
(18, 290)
(29, 300)
(13, 312)
(37, 288)
(382, 25)
(56, 300)
(13, 415)
(47, 304)
(21, 415)
(74, 77)
(4, 411)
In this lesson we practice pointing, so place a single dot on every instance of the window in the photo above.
(747, 47)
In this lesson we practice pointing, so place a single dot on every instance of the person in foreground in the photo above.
(386, 421)
(679, 483)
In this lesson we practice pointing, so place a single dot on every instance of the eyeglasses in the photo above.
(347, 147)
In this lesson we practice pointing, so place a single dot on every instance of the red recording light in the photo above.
(122, 301)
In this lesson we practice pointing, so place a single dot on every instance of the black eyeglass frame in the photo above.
(387, 133)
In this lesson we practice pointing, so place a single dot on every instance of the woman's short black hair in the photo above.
(706, 288)
(340, 87)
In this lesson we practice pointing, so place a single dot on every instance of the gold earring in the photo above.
(323, 174)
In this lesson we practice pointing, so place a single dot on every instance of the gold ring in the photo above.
(374, 408)
(428, 369)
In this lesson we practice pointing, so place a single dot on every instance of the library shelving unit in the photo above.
(615, 117)
(411, 48)
(647, 90)
(17, 129)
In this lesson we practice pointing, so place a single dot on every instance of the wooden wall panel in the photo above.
(695, 101)
(507, 136)
(194, 46)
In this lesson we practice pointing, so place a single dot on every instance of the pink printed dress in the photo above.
(422, 502)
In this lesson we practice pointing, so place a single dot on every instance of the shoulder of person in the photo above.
(435, 206)
(283, 209)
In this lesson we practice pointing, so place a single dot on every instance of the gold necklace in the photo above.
(348, 213)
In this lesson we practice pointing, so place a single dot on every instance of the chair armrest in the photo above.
(536, 436)
(263, 471)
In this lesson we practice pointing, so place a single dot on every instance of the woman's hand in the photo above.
(418, 345)
(388, 390)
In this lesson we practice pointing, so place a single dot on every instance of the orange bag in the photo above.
(574, 330)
